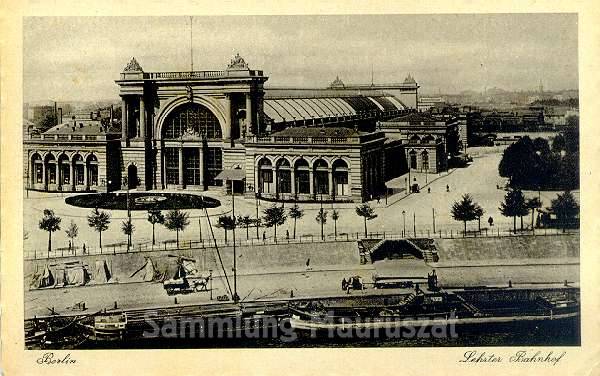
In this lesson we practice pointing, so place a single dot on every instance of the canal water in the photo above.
(552, 333)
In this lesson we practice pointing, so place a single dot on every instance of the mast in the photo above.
(216, 247)
(236, 297)
(372, 74)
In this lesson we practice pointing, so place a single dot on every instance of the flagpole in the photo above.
(191, 45)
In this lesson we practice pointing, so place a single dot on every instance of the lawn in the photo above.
(142, 201)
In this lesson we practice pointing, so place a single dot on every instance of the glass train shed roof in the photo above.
(284, 108)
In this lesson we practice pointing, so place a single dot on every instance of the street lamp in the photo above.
(257, 219)
(211, 283)
(126, 183)
(414, 224)
(321, 217)
(235, 296)
(539, 153)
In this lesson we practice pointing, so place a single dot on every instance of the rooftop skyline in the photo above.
(78, 58)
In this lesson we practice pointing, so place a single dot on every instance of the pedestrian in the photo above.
(428, 189)
(264, 236)
(378, 199)
(287, 234)
(291, 293)
(84, 249)
(491, 221)
(447, 188)
(70, 247)
(308, 264)
(344, 283)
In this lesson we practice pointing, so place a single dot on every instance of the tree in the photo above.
(541, 145)
(50, 223)
(335, 215)
(155, 216)
(47, 121)
(322, 219)
(559, 143)
(518, 163)
(464, 210)
(479, 212)
(128, 228)
(454, 146)
(226, 222)
(246, 221)
(532, 204)
(565, 207)
(514, 206)
(72, 232)
(366, 211)
(296, 213)
(176, 220)
(99, 221)
(274, 216)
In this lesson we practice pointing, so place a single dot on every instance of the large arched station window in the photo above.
(192, 120)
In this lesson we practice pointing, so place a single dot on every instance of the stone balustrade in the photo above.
(201, 74)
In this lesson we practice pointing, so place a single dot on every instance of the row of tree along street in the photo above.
(276, 216)
(178, 220)
(563, 211)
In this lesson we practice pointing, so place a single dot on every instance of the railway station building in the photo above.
(181, 130)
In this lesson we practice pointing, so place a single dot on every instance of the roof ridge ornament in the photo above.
(133, 66)
(337, 82)
(237, 63)
(410, 79)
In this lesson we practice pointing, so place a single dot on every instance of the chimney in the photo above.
(56, 113)
(60, 116)
(110, 115)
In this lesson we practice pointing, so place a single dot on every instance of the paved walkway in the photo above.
(415, 211)
(279, 283)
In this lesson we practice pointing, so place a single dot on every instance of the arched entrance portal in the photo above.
(132, 177)
(191, 146)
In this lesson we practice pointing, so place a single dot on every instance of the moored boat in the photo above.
(439, 310)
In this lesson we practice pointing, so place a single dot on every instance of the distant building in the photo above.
(424, 140)
(37, 113)
(427, 103)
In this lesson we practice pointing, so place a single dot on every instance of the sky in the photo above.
(79, 58)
